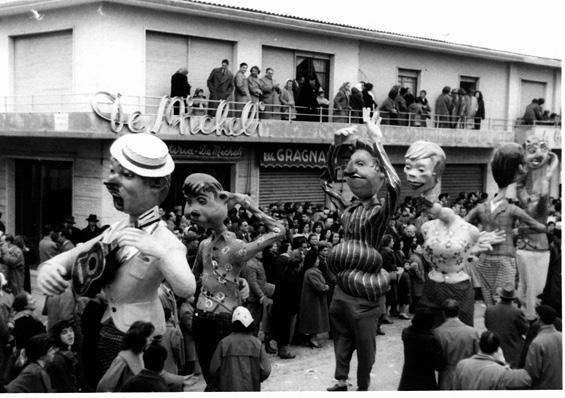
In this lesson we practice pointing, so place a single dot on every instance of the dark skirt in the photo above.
(435, 293)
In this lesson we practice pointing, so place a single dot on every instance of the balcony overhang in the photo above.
(87, 125)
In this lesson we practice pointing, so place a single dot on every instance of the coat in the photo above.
(483, 372)
(179, 88)
(64, 371)
(32, 379)
(220, 84)
(173, 342)
(13, 257)
(422, 356)
(444, 105)
(26, 325)
(145, 381)
(240, 363)
(126, 365)
(458, 341)
(313, 317)
(544, 361)
(241, 87)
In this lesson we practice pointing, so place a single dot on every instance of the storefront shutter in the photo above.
(42, 69)
(290, 185)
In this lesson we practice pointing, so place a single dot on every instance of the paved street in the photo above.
(312, 369)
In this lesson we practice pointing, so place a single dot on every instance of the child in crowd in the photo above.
(240, 362)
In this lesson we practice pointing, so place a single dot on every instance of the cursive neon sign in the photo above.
(185, 121)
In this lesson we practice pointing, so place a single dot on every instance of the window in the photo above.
(468, 83)
(409, 78)
(307, 65)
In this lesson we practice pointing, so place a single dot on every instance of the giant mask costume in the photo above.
(532, 256)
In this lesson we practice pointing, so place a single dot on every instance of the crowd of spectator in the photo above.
(304, 99)
(290, 288)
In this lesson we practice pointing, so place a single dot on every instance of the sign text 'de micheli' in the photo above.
(186, 122)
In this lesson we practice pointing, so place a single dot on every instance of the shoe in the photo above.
(314, 344)
(403, 316)
(385, 320)
(337, 387)
(286, 355)
(380, 332)
(269, 349)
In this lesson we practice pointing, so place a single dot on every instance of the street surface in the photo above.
(312, 369)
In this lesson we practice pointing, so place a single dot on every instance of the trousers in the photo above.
(532, 275)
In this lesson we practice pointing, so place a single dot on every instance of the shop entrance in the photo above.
(220, 171)
(43, 196)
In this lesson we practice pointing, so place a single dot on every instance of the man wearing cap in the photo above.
(147, 252)
(92, 230)
(544, 361)
(509, 323)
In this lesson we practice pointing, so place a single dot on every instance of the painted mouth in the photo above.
(415, 185)
(353, 175)
(535, 162)
(116, 197)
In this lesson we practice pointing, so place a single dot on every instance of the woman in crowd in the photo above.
(65, 369)
(129, 361)
(480, 115)
(254, 84)
(341, 104)
(388, 109)
(313, 317)
(288, 108)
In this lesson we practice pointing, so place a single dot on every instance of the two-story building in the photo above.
(54, 59)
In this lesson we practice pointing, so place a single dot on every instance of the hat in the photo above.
(70, 219)
(507, 292)
(546, 313)
(92, 217)
(143, 154)
(243, 315)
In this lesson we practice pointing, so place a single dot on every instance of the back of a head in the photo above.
(37, 346)
(450, 308)
(446, 90)
(489, 342)
(20, 302)
(546, 314)
(310, 258)
(298, 241)
(137, 335)
(423, 320)
(506, 162)
(154, 357)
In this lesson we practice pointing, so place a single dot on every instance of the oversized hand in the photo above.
(141, 240)
(373, 125)
(51, 279)
(238, 198)
(488, 239)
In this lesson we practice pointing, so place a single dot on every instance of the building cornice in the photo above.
(272, 20)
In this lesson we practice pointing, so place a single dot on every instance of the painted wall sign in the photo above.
(205, 151)
(136, 122)
(294, 157)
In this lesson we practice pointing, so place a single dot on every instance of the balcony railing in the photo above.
(81, 102)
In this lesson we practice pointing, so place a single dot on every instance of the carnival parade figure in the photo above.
(449, 241)
(131, 258)
(533, 191)
(219, 260)
(361, 283)
(497, 267)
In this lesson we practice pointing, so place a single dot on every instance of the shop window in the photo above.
(409, 78)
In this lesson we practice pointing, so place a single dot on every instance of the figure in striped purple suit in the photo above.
(361, 284)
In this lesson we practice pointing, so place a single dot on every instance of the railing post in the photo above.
(349, 116)
(321, 114)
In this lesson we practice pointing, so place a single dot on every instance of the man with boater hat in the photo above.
(144, 250)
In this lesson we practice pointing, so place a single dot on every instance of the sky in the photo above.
(527, 27)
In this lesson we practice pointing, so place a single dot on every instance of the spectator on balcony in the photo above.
(241, 88)
(480, 115)
(415, 112)
(307, 105)
(444, 105)
(388, 110)
(323, 103)
(286, 98)
(426, 109)
(199, 103)
(402, 107)
(533, 112)
(356, 103)
(470, 109)
(270, 94)
(254, 84)
(220, 84)
(297, 85)
(179, 87)
(368, 97)
(341, 104)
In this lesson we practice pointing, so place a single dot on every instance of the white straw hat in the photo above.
(143, 154)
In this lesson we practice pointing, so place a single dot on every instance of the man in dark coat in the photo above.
(443, 108)
(92, 230)
(73, 233)
(34, 377)
(306, 102)
(509, 323)
(220, 84)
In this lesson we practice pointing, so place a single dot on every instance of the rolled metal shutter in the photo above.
(290, 185)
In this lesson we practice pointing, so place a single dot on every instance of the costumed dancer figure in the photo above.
(497, 267)
(449, 241)
(218, 263)
(129, 260)
(532, 256)
(361, 283)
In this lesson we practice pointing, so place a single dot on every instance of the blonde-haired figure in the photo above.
(288, 108)
(341, 103)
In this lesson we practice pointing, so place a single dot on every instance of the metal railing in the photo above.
(149, 105)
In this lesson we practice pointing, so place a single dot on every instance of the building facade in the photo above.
(55, 130)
